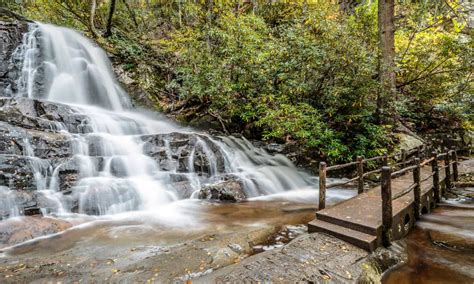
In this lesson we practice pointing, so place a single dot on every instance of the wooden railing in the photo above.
(395, 160)
(386, 188)
(402, 162)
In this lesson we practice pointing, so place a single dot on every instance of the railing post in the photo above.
(385, 160)
(404, 155)
(455, 165)
(447, 179)
(435, 170)
(386, 186)
(360, 174)
(417, 189)
(322, 185)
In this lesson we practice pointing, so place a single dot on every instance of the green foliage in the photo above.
(435, 63)
(292, 71)
(307, 78)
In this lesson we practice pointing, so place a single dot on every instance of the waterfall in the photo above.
(119, 170)
(74, 70)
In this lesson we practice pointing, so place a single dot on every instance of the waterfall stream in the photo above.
(118, 171)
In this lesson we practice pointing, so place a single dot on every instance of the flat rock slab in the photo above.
(310, 258)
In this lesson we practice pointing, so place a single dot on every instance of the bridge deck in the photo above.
(363, 213)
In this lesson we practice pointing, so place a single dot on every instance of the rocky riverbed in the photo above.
(235, 242)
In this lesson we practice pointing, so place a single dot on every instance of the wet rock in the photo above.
(68, 172)
(17, 231)
(184, 152)
(310, 258)
(454, 241)
(42, 116)
(12, 28)
(17, 173)
(236, 248)
(183, 189)
(15, 202)
(44, 145)
(230, 190)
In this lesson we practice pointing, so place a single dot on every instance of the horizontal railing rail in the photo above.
(398, 159)
(401, 163)
(386, 189)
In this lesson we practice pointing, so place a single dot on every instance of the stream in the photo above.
(94, 189)
(440, 248)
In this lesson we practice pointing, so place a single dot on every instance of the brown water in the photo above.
(140, 248)
(210, 219)
(440, 249)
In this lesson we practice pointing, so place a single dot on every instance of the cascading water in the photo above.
(8, 205)
(118, 171)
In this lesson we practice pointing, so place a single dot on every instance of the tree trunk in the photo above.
(131, 13)
(91, 19)
(386, 30)
(108, 29)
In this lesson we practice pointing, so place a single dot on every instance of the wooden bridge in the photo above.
(387, 212)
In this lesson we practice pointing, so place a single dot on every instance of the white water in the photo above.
(8, 205)
(115, 174)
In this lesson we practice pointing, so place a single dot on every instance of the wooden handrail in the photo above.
(404, 170)
(426, 162)
(404, 192)
(427, 178)
(338, 167)
(374, 158)
(387, 175)
(403, 163)
(385, 183)
(372, 172)
(341, 183)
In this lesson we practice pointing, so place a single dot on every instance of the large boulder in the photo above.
(408, 142)
(229, 190)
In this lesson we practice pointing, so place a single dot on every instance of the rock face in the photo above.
(12, 28)
(37, 144)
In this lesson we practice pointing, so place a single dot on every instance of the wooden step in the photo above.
(320, 215)
(359, 239)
